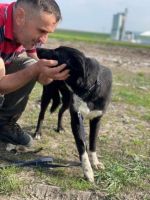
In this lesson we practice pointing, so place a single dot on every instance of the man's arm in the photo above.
(41, 78)
(43, 71)
(14, 81)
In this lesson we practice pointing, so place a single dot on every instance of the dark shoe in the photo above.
(12, 133)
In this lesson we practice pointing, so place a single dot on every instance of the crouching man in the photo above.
(23, 25)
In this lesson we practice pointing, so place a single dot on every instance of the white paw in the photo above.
(86, 166)
(94, 161)
(38, 136)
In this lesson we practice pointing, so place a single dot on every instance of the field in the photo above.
(101, 38)
(123, 144)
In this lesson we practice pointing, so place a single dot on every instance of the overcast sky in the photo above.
(97, 15)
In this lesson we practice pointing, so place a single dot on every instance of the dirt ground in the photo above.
(133, 60)
(113, 57)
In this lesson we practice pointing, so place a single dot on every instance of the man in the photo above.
(23, 25)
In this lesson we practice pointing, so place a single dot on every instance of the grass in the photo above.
(9, 181)
(80, 36)
(64, 180)
(134, 88)
(123, 145)
(121, 176)
(132, 96)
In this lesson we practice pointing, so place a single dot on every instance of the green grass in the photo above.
(81, 36)
(9, 181)
(100, 38)
(132, 96)
(120, 176)
(146, 117)
(63, 179)
(133, 89)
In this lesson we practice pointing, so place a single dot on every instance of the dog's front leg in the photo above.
(44, 104)
(79, 135)
(94, 130)
(66, 98)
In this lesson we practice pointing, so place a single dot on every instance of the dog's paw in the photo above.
(95, 162)
(59, 130)
(86, 166)
(37, 136)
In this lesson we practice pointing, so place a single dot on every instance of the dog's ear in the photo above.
(77, 65)
(92, 66)
(74, 59)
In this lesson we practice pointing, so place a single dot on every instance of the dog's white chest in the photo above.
(82, 107)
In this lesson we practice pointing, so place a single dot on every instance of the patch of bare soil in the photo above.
(128, 58)
(46, 192)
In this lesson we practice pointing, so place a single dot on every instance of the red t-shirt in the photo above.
(8, 47)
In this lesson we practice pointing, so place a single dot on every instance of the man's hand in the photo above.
(47, 72)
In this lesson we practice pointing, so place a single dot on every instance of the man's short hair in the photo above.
(49, 6)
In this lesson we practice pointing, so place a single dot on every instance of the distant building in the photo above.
(145, 34)
(136, 37)
(118, 26)
(129, 36)
(144, 38)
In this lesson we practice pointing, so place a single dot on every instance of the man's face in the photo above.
(35, 29)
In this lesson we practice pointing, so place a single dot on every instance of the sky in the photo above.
(97, 15)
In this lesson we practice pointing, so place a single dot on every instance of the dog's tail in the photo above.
(56, 101)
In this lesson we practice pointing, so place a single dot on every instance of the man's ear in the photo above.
(20, 16)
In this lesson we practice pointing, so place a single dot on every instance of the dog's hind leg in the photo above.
(79, 135)
(94, 130)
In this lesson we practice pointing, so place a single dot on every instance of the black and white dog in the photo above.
(87, 90)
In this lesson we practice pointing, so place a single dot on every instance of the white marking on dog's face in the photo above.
(86, 166)
(94, 161)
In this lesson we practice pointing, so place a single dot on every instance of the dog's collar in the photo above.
(90, 90)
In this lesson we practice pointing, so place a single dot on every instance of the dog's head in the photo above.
(74, 59)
